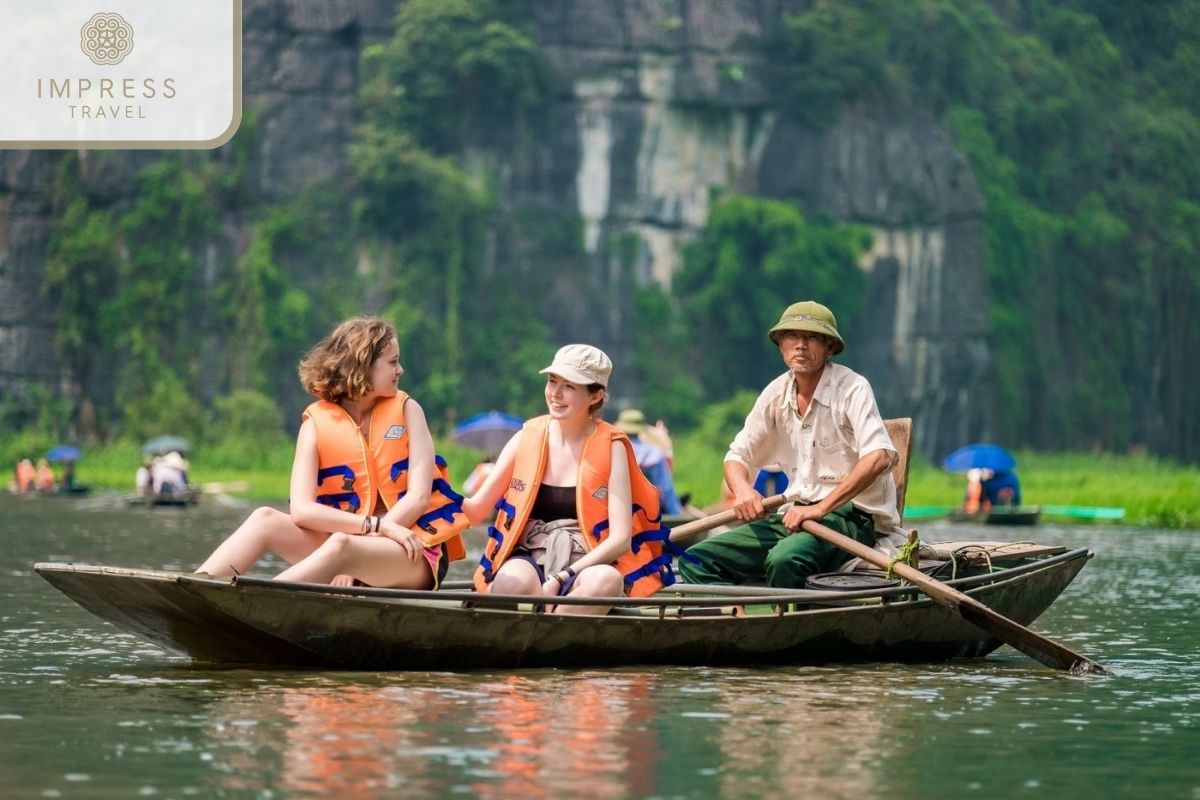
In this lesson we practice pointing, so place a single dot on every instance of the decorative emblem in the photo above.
(394, 432)
(517, 485)
(600, 493)
(106, 38)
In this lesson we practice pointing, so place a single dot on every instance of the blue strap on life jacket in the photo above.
(663, 535)
(636, 543)
(442, 486)
(660, 566)
(335, 499)
(509, 510)
(485, 563)
(341, 469)
(402, 465)
(446, 512)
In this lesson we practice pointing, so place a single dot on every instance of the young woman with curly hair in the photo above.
(368, 498)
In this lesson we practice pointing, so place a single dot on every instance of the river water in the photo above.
(88, 712)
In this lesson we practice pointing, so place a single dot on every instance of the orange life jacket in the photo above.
(26, 477)
(646, 567)
(352, 469)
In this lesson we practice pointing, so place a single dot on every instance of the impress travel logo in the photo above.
(106, 39)
(137, 74)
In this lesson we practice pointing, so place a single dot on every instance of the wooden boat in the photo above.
(1000, 515)
(250, 620)
(188, 498)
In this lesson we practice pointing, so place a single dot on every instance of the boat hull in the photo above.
(238, 622)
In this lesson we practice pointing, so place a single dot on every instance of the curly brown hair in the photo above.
(339, 367)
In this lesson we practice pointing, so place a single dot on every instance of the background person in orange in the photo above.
(44, 480)
(25, 476)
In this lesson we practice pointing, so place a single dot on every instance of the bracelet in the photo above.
(570, 573)
(378, 522)
(366, 524)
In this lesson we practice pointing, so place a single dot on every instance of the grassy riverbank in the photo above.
(1154, 493)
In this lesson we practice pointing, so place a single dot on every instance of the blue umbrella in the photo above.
(488, 432)
(64, 452)
(979, 456)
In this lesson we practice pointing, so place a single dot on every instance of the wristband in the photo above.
(366, 524)
(570, 573)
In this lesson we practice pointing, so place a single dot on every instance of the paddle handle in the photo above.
(720, 518)
(1034, 645)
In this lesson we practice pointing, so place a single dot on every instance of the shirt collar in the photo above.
(822, 394)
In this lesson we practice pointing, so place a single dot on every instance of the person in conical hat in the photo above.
(819, 422)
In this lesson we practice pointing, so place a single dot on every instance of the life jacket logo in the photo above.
(601, 493)
(394, 432)
(517, 485)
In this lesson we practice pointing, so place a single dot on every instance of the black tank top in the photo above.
(554, 502)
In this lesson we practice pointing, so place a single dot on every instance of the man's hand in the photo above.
(796, 515)
(747, 504)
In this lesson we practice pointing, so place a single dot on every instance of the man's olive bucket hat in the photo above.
(809, 316)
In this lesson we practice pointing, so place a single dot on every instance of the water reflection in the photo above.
(491, 736)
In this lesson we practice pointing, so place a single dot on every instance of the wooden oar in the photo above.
(690, 529)
(1034, 645)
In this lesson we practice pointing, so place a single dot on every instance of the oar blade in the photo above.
(1036, 646)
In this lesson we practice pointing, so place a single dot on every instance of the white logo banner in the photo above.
(120, 74)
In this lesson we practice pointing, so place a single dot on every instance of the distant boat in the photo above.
(1098, 513)
(186, 498)
(1000, 515)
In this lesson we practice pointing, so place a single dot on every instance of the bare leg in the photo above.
(266, 529)
(601, 580)
(517, 576)
(375, 560)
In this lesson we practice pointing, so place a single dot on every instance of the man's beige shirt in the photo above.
(817, 450)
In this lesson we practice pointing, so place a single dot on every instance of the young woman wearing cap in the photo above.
(576, 516)
(369, 501)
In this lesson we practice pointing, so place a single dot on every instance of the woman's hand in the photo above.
(404, 537)
(551, 586)
(342, 580)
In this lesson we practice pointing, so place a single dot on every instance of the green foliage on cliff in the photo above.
(454, 75)
(1080, 122)
(730, 285)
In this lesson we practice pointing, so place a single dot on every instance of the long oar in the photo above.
(1034, 645)
(690, 529)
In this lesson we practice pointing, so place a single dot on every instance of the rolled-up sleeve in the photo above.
(870, 434)
(749, 447)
